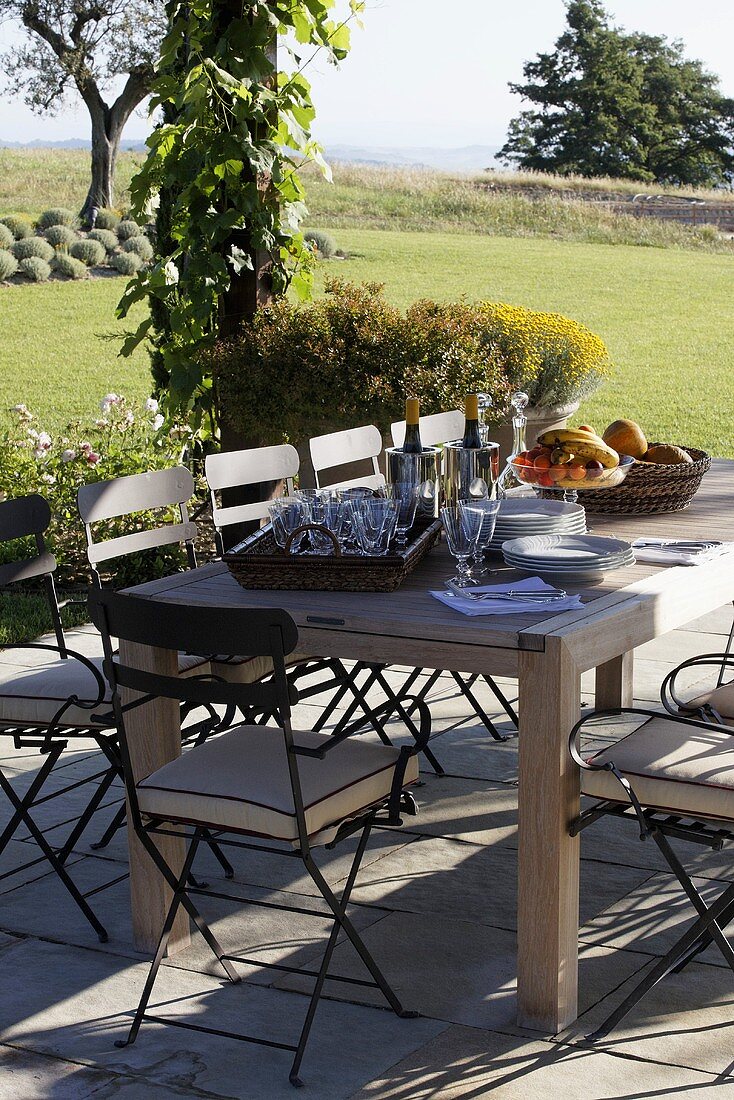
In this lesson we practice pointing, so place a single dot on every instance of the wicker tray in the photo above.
(258, 562)
(651, 488)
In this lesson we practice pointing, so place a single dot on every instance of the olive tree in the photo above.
(101, 50)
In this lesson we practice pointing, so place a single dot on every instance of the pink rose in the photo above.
(92, 457)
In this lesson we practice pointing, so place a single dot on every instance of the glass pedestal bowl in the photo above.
(554, 480)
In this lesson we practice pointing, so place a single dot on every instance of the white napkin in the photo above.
(673, 556)
(508, 607)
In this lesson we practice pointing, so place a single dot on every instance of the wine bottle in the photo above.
(472, 437)
(412, 444)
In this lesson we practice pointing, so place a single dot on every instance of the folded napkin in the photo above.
(674, 552)
(467, 606)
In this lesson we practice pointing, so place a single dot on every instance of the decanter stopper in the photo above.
(509, 483)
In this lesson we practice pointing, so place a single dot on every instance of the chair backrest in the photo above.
(29, 517)
(328, 452)
(126, 496)
(436, 428)
(237, 469)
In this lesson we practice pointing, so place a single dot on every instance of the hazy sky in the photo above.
(435, 72)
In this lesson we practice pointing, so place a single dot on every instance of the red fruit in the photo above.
(542, 462)
(576, 472)
(586, 428)
(557, 473)
(534, 452)
(545, 480)
(594, 469)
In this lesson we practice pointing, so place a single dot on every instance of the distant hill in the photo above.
(469, 158)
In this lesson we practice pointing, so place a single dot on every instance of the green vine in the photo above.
(236, 130)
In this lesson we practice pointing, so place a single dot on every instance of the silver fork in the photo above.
(524, 597)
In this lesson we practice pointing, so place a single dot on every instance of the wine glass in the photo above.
(463, 526)
(374, 524)
(406, 495)
(488, 510)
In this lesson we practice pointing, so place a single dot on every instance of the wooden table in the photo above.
(547, 654)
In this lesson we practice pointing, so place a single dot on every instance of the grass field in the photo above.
(665, 315)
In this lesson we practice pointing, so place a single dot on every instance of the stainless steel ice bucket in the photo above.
(419, 469)
(470, 472)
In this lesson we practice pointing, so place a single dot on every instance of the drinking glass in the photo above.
(463, 527)
(374, 524)
(286, 514)
(406, 495)
(488, 510)
(333, 514)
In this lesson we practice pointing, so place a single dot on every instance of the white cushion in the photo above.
(32, 695)
(246, 670)
(721, 699)
(240, 781)
(671, 767)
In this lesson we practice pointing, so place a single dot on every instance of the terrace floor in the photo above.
(436, 904)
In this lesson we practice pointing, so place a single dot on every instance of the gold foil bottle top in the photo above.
(412, 410)
(471, 407)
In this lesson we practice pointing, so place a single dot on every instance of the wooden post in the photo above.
(614, 682)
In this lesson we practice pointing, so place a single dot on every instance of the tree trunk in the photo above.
(105, 145)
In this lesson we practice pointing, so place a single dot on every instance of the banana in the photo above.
(584, 445)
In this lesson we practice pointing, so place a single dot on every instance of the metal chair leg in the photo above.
(117, 823)
(478, 708)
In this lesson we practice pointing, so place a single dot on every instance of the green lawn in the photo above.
(665, 315)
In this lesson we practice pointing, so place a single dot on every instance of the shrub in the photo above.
(124, 440)
(6, 237)
(89, 252)
(61, 236)
(66, 265)
(141, 246)
(127, 263)
(106, 238)
(59, 216)
(8, 264)
(32, 246)
(36, 269)
(129, 228)
(107, 219)
(351, 357)
(323, 244)
(19, 225)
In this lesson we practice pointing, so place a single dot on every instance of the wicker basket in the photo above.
(260, 563)
(650, 487)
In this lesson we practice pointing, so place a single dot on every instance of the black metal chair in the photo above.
(48, 694)
(715, 704)
(672, 779)
(288, 791)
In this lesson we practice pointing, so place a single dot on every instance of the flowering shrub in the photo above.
(123, 440)
(35, 269)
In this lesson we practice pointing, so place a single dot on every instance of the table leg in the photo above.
(154, 738)
(548, 887)
(614, 682)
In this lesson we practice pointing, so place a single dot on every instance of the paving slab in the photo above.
(469, 752)
(459, 971)
(14, 856)
(477, 810)
(74, 1004)
(466, 1062)
(454, 879)
(687, 1020)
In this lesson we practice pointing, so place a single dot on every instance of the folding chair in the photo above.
(437, 429)
(146, 495)
(238, 469)
(713, 705)
(338, 449)
(287, 791)
(47, 696)
(672, 778)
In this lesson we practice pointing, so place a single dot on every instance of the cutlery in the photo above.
(516, 595)
(676, 544)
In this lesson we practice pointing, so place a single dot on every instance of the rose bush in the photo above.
(124, 439)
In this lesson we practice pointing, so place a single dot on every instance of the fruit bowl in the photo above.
(577, 477)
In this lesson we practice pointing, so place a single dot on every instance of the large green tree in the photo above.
(607, 102)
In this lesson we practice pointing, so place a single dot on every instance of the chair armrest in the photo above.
(668, 695)
(73, 700)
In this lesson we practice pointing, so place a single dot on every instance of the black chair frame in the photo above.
(268, 633)
(661, 826)
(676, 706)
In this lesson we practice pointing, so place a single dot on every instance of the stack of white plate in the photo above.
(528, 516)
(570, 557)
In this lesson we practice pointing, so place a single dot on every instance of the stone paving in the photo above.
(435, 903)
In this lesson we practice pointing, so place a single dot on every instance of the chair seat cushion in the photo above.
(247, 670)
(32, 695)
(671, 767)
(240, 781)
(721, 699)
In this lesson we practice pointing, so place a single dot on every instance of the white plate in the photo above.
(589, 563)
(524, 506)
(568, 549)
(537, 529)
(570, 570)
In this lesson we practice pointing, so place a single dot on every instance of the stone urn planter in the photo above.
(540, 419)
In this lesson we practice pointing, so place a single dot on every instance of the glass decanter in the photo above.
(509, 484)
(485, 404)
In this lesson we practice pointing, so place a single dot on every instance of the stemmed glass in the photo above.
(406, 495)
(488, 510)
(463, 526)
